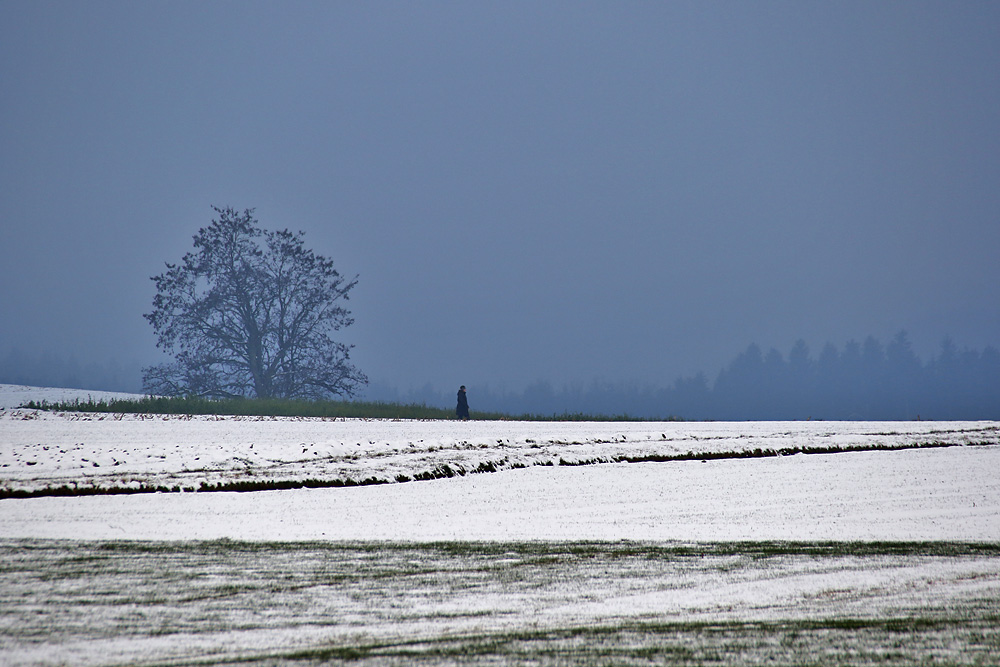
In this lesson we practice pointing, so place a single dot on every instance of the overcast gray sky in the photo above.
(529, 190)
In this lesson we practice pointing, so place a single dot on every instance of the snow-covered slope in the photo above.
(686, 481)
(909, 495)
(14, 395)
(43, 450)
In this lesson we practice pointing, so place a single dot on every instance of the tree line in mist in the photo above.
(866, 380)
(49, 369)
(860, 380)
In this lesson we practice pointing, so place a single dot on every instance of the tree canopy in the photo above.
(251, 312)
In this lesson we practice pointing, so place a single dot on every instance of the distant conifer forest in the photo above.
(858, 381)
(865, 380)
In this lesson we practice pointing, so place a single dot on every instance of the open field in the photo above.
(543, 603)
(71, 452)
(939, 494)
(720, 544)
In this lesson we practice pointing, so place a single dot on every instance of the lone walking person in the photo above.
(463, 404)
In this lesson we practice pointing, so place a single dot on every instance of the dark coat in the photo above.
(462, 410)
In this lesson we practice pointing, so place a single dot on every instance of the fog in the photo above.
(559, 192)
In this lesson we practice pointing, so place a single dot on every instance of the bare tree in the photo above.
(250, 312)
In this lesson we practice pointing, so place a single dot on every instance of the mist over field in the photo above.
(564, 206)
(866, 380)
(858, 381)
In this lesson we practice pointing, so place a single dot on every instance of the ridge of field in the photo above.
(938, 494)
(74, 453)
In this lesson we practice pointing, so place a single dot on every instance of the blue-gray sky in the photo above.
(529, 190)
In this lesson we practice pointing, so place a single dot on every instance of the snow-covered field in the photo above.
(525, 489)
(691, 553)
(554, 603)
(44, 450)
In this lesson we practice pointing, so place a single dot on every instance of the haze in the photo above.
(558, 191)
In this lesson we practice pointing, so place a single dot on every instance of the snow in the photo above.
(159, 581)
(103, 603)
(14, 395)
(941, 493)
(922, 495)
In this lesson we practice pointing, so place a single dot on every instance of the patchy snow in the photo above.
(128, 603)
